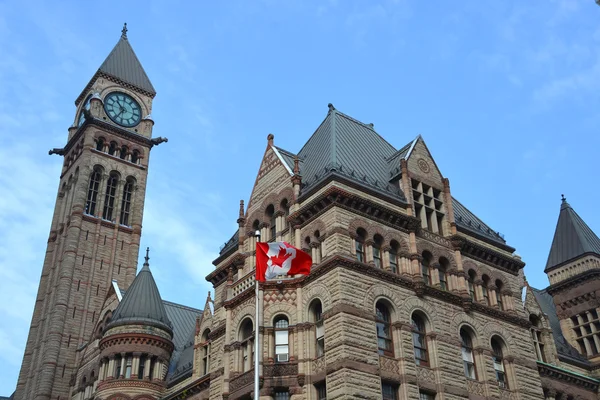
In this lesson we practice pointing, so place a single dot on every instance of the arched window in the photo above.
(92, 197)
(384, 332)
(394, 247)
(499, 286)
(100, 144)
(443, 273)
(471, 283)
(270, 213)
(536, 335)
(118, 360)
(419, 340)
(282, 351)
(135, 155)
(316, 313)
(498, 359)
(109, 196)
(123, 153)
(247, 344)
(361, 234)
(466, 340)
(205, 352)
(126, 203)
(112, 148)
(485, 281)
(425, 263)
(377, 241)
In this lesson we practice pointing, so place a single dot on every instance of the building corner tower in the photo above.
(96, 227)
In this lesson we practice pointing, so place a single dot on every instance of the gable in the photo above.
(422, 166)
(273, 176)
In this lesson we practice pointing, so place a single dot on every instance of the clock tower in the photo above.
(95, 233)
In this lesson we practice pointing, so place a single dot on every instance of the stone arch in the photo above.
(246, 311)
(360, 223)
(414, 303)
(450, 257)
(425, 246)
(318, 291)
(494, 329)
(279, 308)
(317, 225)
(377, 292)
(461, 319)
(468, 265)
(402, 244)
(271, 198)
(286, 194)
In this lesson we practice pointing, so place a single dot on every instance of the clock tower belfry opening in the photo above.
(96, 226)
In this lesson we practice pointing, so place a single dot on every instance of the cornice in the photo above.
(100, 74)
(571, 378)
(199, 385)
(337, 197)
(219, 275)
(486, 255)
(576, 280)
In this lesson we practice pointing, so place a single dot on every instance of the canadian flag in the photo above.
(280, 258)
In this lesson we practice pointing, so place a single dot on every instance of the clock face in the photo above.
(122, 109)
(86, 106)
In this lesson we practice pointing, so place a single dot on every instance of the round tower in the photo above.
(136, 346)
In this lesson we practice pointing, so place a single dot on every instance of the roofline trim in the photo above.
(287, 167)
(588, 253)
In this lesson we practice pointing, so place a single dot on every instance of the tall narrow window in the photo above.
(316, 311)
(388, 391)
(285, 207)
(467, 353)
(135, 156)
(270, 212)
(377, 251)
(112, 148)
(536, 335)
(498, 359)
(117, 367)
(109, 197)
(425, 261)
(92, 197)
(205, 352)
(128, 363)
(141, 367)
(247, 348)
(419, 340)
(394, 256)
(281, 339)
(100, 144)
(360, 244)
(384, 332)
(470, 284)
(499, 287)
(442, 273)
(126, 203)
(484, 289)
(123, 153)
(321, 390)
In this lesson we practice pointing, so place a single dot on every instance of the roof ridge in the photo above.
(182, 306)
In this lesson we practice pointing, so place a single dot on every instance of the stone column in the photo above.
(492, 295)
(368, 251)
(135, 364)
(147, 368)
(478, 286)
(123, 360)
(111, 367)
(434, 273)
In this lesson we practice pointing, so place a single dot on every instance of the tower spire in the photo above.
(147, 258)
(124, 31)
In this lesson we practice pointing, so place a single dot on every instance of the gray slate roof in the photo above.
(142, 304)
(123, 64)
(572, 238)
(184, 329)
(348, 147)
(469, 221)
(563, 347)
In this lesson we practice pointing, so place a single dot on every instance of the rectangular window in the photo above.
(471, 289)
(442, 275)
(500, 375)
(394, 262)
(126, 205)
(320, 338)
(282, 395)
(321, 390)
(360, 252)
(117, 367)
(141, 367)
(426, 396)
(388, 392)
(109, 198)
(377, 257)
(128, 362)
(281, 344)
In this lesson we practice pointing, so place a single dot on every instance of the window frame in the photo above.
(467, 350)
(498, 361)
(383, 324)
(419, 339)
(110, 197)
(93, 190)
(281, 324)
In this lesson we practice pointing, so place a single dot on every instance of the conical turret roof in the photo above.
(142, 303)
(572, 238)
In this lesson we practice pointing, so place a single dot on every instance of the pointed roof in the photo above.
(350, 148)
(142, 303)
(572, 238)
(123, 67)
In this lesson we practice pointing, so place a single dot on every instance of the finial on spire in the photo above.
(331, 107)
(241, 215)
(124, 31)
(296, 165)
(270, 138)
(147, 258)
(563, 198)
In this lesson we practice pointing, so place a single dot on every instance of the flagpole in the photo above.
(256, 336)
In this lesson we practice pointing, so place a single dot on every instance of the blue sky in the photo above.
(504, 92)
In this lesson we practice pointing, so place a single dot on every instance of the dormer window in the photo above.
(429, 206)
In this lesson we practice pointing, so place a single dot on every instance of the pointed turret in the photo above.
(124, 68)
(142, 303)
(573, 238)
